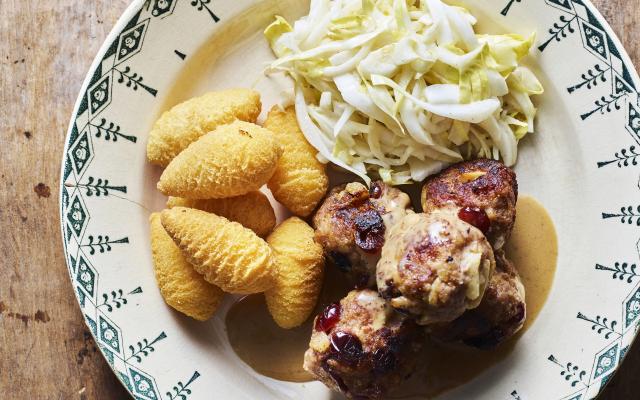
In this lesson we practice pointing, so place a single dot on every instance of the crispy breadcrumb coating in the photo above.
(300, 180)
(233, 160)
(300, 271)
(229, 255)
(252, 210)
(180, 285)
(188, 121)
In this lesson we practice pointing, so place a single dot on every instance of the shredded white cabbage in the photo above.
(398, 89)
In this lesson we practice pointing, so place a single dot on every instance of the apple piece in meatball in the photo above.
(483, 191)
(500, 315)
(434, 267)
(352, 223)
(362, 347)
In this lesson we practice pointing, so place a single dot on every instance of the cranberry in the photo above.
(329, 318)
(346, 348)
(376, 190)
(476, 217)
(384, 360)
(369, 231)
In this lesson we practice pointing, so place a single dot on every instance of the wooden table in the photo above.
(46, 351)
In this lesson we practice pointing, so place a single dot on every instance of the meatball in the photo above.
(484, 192)
(500, 315)
(352, 223)
(361, 346)
(434, 267)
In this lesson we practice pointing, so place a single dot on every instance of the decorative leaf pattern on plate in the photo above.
(559, 31)
(116, 298)
(144, 347)
(102, 243)
(591, 78)
(570, 372)
(110, 131)
(624, 158)
(627, 215)
(601, 325)
(181, 390)
(505, 10)
(621, 271)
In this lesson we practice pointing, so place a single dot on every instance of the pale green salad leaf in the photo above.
(398, 89)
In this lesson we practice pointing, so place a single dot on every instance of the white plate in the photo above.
(580, 163)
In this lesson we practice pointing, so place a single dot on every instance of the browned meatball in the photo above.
(500, 315)
(361, 346)
(434, 267)
(484, 192)
(351, 225)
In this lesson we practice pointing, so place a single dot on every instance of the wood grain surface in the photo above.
(46, 351)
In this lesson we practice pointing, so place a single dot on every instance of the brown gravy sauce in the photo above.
(264, 346)
(279, 353)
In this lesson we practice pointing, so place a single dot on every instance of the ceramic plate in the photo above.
(581, 164)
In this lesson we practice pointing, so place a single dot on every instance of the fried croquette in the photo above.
(180, 285)
(252, 210)
(187, 122)
(233, 160)
(300, 180)
(229, 255)
(299, 273)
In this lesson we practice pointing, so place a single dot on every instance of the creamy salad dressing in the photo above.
(279, 353)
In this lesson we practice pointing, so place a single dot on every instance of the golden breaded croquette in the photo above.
(233, 160)
(187, 122)
(229, 255)
(180, 285)
(299, 273)
(300, 180)
(252, 210)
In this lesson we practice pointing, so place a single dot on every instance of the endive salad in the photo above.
(401, 88)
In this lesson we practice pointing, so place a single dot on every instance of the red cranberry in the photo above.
(346, 348)
(369, 231)
(476, 217)
(384, 360)
(329, 318)
(376, 190)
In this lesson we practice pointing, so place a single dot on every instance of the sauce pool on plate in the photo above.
(268, 349)
(533, 248)
(264, 346)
